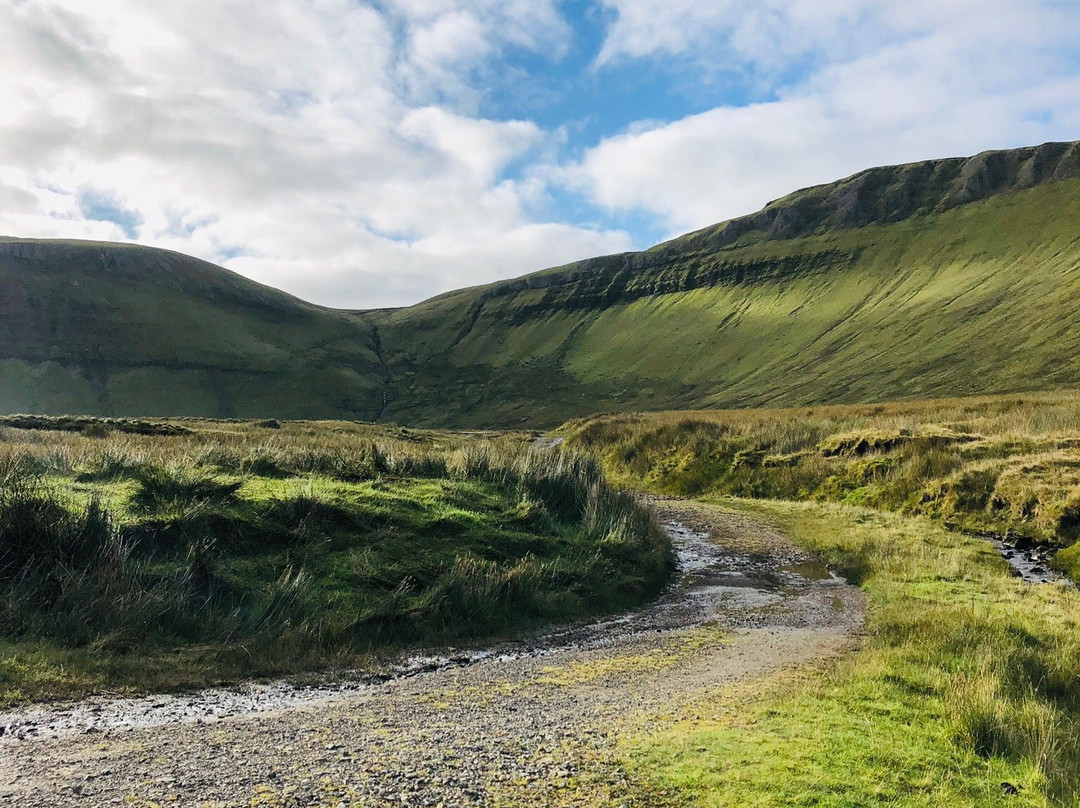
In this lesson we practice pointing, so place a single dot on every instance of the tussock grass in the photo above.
(164, 487)
(237, 554)
(993, 464)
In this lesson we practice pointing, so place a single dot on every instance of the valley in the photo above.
(784, 511)
(944, 278)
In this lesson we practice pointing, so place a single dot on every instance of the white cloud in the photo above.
(448, 45)
(280, 142)
(336, 148)
(476, 148)
(892, 82)
(732, 35)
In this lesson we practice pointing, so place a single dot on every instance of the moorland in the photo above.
(211, 480)
(207, 551)
(959, 652)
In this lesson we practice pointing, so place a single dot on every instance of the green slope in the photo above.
(127, 330)
(947, 277)
(815, 299)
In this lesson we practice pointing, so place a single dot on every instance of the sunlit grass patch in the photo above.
(857, 738)
(967, 678)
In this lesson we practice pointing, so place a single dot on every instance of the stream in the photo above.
(1031, 563)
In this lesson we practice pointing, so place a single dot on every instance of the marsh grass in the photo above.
(1006, 465)
(239, 554)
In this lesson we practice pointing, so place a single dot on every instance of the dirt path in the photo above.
(511, 726)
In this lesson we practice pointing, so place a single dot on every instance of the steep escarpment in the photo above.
(894, 193)
(939, 278)
(601, 282)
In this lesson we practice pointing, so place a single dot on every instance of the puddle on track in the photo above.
(811, 570)
(714, 584)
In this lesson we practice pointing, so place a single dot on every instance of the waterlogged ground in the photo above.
(522, 723)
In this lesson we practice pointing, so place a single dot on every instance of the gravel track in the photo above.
(511, 725)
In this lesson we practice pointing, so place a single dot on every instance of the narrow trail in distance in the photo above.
(521, 719)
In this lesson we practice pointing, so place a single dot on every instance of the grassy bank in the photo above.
(966, 680)
(1007, 464)
(221, 549)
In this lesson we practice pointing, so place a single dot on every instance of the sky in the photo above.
(369, 153)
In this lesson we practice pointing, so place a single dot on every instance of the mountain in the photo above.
(946, 277)
(120, 329)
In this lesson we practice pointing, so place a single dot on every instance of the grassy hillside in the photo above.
(948, 277)
(117, 329)
(953, 300)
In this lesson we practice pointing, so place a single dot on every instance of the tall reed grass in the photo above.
(308, 543)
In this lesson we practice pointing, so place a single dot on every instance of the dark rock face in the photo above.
(894, 193)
